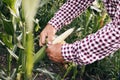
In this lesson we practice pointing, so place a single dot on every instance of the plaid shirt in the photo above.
(95, 46)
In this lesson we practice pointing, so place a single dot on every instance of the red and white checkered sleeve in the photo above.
(95, 46)
(70, 10)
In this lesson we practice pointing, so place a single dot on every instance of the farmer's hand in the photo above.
(49, 33)
(54, 52)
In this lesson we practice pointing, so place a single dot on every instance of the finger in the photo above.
(42, 39)
(53, 59)
(50, 38)
(40, 44)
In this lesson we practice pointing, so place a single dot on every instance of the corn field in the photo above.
(21, 57)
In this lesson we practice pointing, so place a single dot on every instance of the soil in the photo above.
(3, 55)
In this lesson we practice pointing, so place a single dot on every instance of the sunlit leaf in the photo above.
(37, 26)
(19, 38)
(13, 54)
(13, 74)
(5, 40)
(20, 45)
(13, 5)
(95, 3)
(95, 8)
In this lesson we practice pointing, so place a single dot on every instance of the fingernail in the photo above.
(49, 42)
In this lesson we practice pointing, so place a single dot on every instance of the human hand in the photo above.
(49, 33)
(54, 52)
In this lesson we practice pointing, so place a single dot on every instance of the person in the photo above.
(95, 46)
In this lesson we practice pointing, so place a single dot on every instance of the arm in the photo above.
(95, 46)
(70, 10)
(98, 45)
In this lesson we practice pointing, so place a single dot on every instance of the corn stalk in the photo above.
(29, 13)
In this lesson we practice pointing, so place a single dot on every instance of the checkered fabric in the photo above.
(95, 46)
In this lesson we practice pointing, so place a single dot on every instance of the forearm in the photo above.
(95, 46)
(70, 10)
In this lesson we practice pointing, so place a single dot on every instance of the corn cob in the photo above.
(41, 53)
(63, 36)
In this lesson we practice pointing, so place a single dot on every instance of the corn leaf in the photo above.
(8, 27)
(13, 5)
(10, 51)
(47, 73)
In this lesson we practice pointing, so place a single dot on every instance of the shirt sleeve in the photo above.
(95, 46)
(70, 10)
(111, 7)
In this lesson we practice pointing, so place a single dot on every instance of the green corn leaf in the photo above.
(47, 73)
(19, 44)
(10, 3)
(68, 70)
(5, 40)
(13, 5)
(10, 51)
(8, 27)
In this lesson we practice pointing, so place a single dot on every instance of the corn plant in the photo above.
(22, 40)
(21, 18)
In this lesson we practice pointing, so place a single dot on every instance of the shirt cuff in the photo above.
(68, 52)
(57, 24)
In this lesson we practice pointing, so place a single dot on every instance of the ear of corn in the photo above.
(63, 36)
(41, 53)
